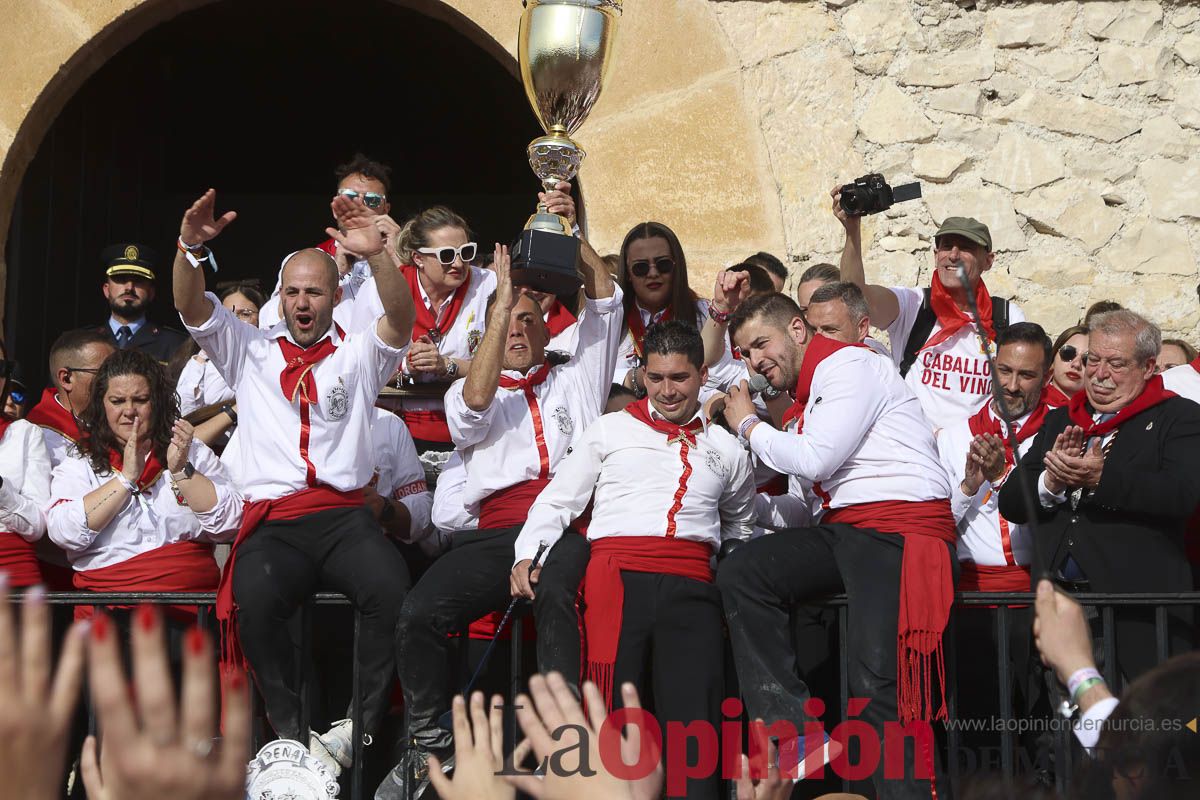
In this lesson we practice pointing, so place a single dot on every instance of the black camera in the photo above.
(871, 194)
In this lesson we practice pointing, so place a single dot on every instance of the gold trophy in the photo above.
(564, 48)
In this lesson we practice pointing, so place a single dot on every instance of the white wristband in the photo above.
(129, 485)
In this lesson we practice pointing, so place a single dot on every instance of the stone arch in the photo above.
(672, 138)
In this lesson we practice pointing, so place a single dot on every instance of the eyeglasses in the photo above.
(17, 397)
(371, 199)
(446, 255)
(92, 370)
(246, 314)
(663, 265)
(1068, 353)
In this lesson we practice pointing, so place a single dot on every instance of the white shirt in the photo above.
(25, 467)
(637, 475)
(725, 373)
(200, 385)
(983, 535)
(399, 474)
(137, 528)
(450, 512)
(499, 444)
(952, 378)
(865, 438)
(268, 462)
(1090, 724)
(1184, 381)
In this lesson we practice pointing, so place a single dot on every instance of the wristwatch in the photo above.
(228, 411)
(187, 472)
(451, 368)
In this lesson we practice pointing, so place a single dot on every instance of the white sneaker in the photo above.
(334, 749)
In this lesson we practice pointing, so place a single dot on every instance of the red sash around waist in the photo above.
(604, 591)
(177, 567)
(19, 559)
(974, 577)
(293, 506)
(510, 506)
(428, 425)
(926, 594)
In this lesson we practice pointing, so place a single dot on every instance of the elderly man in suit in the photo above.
(1116, 474)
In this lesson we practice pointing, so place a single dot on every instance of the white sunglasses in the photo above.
(446, 255)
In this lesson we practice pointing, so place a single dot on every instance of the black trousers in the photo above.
(460, 587)
(671, 648)
(281, 566)
(761, 582)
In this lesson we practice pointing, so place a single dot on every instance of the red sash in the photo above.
(1081, 414)
(974, 577)
(18, 558)
(926, 594)
(426, 321)
(604, 591)
(1055, 397)
(775, 487)
(49, 413)
(426, 424)
(951, 318)
(293, 506)
(186, 566)
(510, 506)
(559, 319)
(984, 422)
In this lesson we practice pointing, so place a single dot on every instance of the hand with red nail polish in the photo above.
(154, 747)
(37, 701)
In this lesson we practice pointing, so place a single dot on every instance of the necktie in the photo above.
(124, 334)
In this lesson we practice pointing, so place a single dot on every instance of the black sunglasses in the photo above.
(1067, 353)
(663, 265)
(371, 199)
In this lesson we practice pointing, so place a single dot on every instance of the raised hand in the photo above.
(199, 223)
(478, 757)
(848, 222)
(988, 452)
(359, 233)
(559, 201)
(181, 442)
(36, 709)
(730, 290)
(506, 297)
(134, 458)
(163, 749)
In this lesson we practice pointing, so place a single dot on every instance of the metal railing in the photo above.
(1001, 604)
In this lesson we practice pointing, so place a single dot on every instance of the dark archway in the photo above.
(260, 100)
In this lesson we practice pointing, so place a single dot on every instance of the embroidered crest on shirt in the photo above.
(474, 337)
(337, 401)
(713, 460)
(566, 425)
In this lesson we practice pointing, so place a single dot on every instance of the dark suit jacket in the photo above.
(1127, 534)
(156, 341)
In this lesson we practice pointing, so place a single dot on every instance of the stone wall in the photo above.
(1069, 127)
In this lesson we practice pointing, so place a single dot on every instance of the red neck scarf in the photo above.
(1055, 397)
(535, 377)
(604, 590)
(49, 413)
(560, 318)
(984, 421)
(952, 318)
(675, 433)
(819, 349)
(1081, 411)
(1196, 364)
(296, 376)
(637, 328)
(150, 472)
(426, 323)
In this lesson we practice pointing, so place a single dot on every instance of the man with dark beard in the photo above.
(129, 289)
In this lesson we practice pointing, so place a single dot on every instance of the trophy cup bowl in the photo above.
(564, 48)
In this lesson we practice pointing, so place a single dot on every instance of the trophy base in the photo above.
(546, 261)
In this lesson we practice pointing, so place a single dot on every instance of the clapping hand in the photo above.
(985, 462)
(163, 748)
(133, 460)
(180, 446)
(477, 754)
(423, 356)
(359, 233)
(199, 224)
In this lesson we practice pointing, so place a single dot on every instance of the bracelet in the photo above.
(746, 425)
(719, 317)
(1083, 687)
(190, 248)
(1081, 676)
(227, 409)
(189, 252)
(129, 485)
